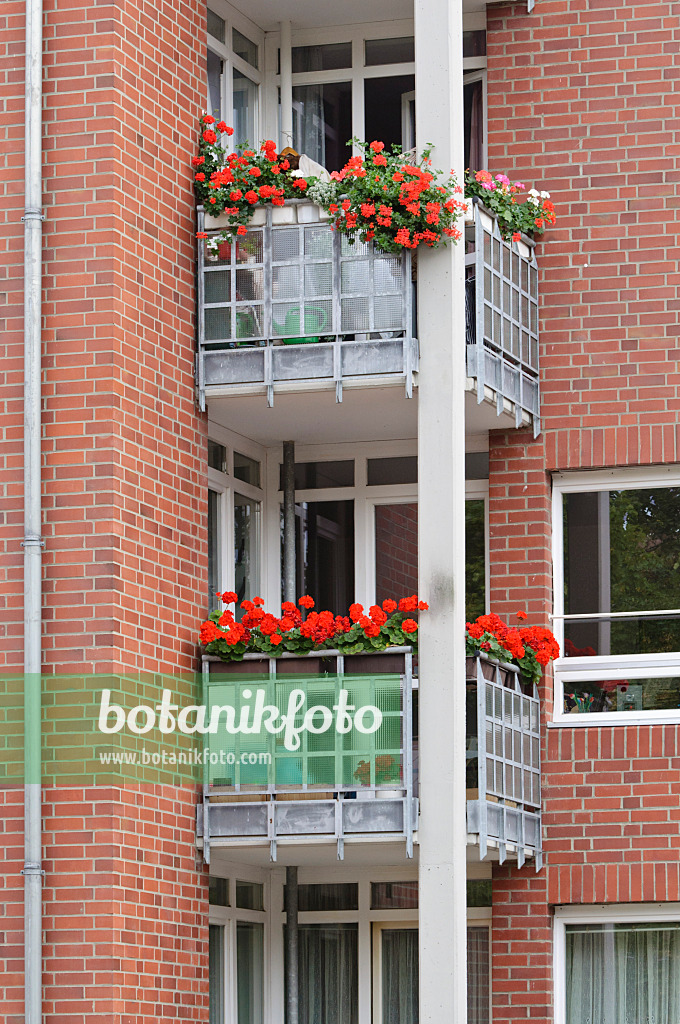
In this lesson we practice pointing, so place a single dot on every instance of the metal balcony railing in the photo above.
(503, 762)
(501, 300)
(337, 784)
(296, 301)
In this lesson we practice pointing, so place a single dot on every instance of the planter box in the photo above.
(291, 213)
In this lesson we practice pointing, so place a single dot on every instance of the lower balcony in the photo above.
(361, 785)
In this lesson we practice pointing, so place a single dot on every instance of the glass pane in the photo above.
(213, 550)
(479, 892)
(399, 50)
(245, 48)
(402, 470)
(215, 26)
(312, 475)
(383, 108)
(217, 456)
(250, 972)
(246, 547)
(475, 559)
(473, 124)
(328, 896)
(249, 895)
(474, 43)
(322, 122)
(328, 974)
(246, 469)
(478, 975)
(477, 466)
(630, 541)
(623, 972)
(622, 695)
(323, 57)
(399, 982)
(216, 973)
(218, 891)
(215, 84)
(396, 550)
(324, 553)
(245, 109)
(394, 895)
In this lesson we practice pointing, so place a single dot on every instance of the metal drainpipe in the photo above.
(32, 542)
(289, 583)
(292, 994)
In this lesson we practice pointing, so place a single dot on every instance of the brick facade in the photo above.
(582, 101)
(124, 481)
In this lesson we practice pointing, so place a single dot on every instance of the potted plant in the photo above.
(387, 769)
(502, 199)
(389, 625)
(528, 647)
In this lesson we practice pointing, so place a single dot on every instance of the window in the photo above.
(617, 966)
(236, 952)
(340, 90)
(395, 973)
(357, 528)
(617, 594)
(234, 75)
(328, 973)
(235, 500)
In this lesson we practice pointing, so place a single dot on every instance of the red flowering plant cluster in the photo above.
(389, 625)
(399, 203)
(234, 183)
(528, 647)
(517, 210)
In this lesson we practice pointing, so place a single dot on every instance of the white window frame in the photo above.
(227, 918)
(613, 913)
(631, 666)
(364, 917)
(226, 485)
(478, 74)
(233, 19)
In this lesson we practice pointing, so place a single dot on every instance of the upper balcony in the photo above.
(293, 306)
(363, 787)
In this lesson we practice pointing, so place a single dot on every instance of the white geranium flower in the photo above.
(545, 195)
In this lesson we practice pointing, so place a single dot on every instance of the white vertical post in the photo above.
(286, 51)
(441, 454)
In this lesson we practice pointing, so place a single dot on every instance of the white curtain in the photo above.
(309, 125)
(400, 976)
(328, 974)
(618, 974)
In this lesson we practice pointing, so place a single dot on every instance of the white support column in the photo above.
(441, 488)
(286, 86)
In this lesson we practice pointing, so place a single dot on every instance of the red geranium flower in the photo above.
(409, 626)
(306, 601)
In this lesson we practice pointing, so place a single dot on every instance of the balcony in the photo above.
(336, 786)
(357, 787)
(294, 301)
(503, 766)
(293, 305)
(501, 320)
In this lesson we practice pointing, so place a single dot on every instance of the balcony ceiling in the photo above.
(312, 14)
(314, 417)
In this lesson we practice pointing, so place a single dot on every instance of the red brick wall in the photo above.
(582, 103)
(124, 481)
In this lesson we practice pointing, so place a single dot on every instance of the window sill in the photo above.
(613, 718)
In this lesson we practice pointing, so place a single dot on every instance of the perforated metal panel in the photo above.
(301, 284)
(508, 761)
(503, 351)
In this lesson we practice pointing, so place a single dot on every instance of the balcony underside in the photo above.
(371, 410)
